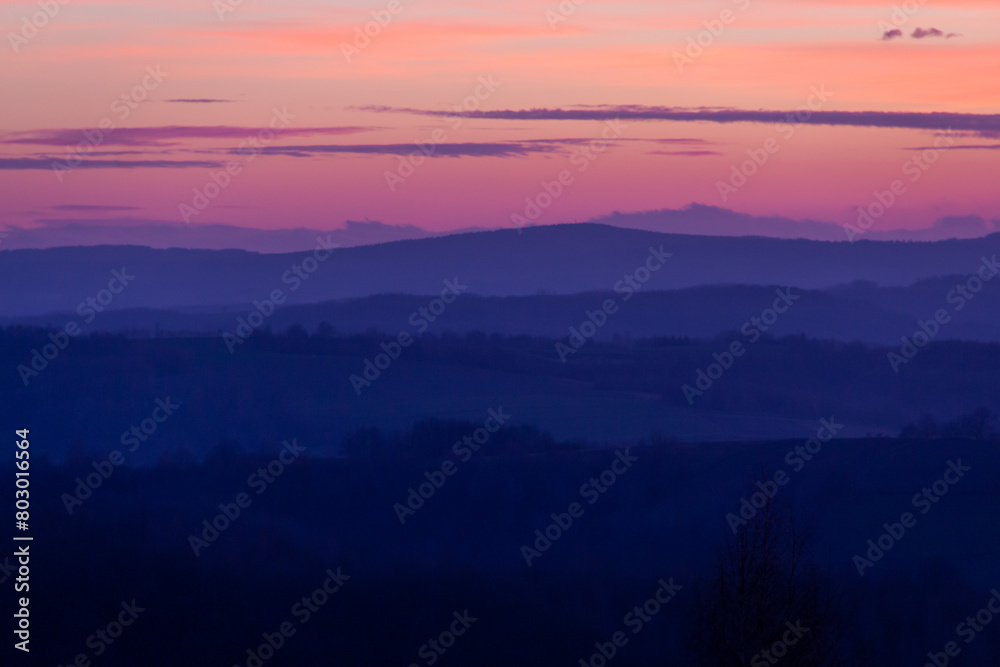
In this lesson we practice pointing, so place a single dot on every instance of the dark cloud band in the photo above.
(887, 119)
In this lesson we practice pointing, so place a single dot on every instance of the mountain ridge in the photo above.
(555, 259)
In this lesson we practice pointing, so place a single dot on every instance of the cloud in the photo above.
(118, 223)
(979, 123)
(958, 147)
(967, 225)
(22, 163)
(979, 134)
(694, 219)
(699, 147)
(949, 227)
(918, 33)
(484, 149)
(161, 136)
(92, 207)
(676, 141)
(155, 233)
(503, 149)
(92, 153)
(199, 100)
(685, 153)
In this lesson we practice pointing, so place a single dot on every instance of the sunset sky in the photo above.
(179, 85)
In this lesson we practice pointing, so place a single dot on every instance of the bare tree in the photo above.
(763, 590)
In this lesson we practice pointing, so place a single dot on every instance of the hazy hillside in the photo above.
(277, 386)
(860, 311)
(561, 259)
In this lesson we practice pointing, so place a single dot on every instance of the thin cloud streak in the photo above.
(484, 149)
(686, 153)
(884, 119)
(16, 164)
(200, 100)
(161, 136)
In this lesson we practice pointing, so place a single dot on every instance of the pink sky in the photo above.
(223, 73)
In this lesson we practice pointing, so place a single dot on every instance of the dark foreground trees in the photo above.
(980, 424)
(764, 601)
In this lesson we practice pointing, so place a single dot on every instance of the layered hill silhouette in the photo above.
(860, 311)
(558, 259)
